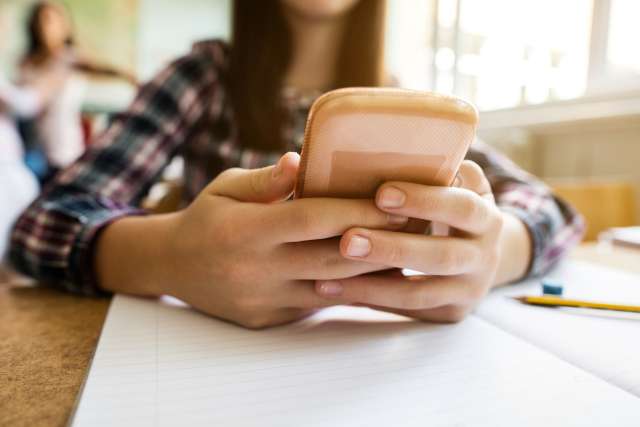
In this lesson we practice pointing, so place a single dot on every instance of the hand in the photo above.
(238, 254)
(458, 269)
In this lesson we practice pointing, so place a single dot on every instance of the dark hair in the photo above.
(261, 53)
(36, 48)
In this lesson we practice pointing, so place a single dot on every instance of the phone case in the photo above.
(357, 138)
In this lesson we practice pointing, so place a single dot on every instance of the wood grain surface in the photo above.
(47, 339)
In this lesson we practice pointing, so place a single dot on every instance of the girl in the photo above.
(18, 186)
(50, 51)
(238, 251)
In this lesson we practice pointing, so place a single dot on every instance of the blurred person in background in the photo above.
(50, 51)
(18, 185)
(239, 251)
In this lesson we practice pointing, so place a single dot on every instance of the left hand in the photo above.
(458, 269)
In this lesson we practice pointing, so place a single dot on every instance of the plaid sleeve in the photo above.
(554, 226)
(53, 239)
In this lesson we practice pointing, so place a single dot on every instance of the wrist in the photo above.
(133, 255)
(515, 250)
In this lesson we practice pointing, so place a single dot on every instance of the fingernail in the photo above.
(391, 197)
(331, 288)
(457, 182)
(397, 219)
(358, 246)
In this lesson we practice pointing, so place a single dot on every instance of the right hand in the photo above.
(240, 253)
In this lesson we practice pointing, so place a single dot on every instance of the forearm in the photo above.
(104, 71)
(132, 255)
(515, 251)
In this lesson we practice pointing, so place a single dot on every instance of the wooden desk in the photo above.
(47, 339)
(611, 256)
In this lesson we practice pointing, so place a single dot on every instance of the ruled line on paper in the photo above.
(346, 366)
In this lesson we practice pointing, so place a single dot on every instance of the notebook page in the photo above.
(604, 343)
(160, 364)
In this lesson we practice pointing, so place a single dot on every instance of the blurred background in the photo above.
(557, 82)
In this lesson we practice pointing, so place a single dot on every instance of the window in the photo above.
(506, 53)
(615, 64)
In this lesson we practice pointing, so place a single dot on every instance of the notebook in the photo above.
(159, 363)
(602, 342)
(622, 236)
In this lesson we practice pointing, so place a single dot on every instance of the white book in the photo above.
(160, 363)
(622, 236)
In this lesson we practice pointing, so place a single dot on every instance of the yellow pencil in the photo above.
(554, 301)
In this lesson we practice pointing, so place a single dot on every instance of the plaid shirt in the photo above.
(184, 111)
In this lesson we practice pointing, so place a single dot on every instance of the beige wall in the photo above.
(603, 146)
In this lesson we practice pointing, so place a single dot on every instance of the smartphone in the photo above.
(358, 138)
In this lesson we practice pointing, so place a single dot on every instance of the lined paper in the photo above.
(162, 364)
(602, 342)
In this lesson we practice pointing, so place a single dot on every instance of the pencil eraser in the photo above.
(551, 287)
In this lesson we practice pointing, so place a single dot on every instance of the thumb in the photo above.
(268, 184)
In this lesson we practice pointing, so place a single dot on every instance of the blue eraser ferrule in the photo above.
(550, 287)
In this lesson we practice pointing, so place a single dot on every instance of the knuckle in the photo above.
(448, 259)
(367, 215)
(453, 313)
(395, 254)
(484, 214)
(256, 321)
(491, 258)
(332, 262)
(476, 292)
(304, 220)
(363, 213)
(422, 200)
(470, 209)
(497, 221)
(473, 256)
(480, 212)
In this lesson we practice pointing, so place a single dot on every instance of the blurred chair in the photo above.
(604, 204)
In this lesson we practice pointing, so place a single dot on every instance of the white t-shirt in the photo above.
(59, 126)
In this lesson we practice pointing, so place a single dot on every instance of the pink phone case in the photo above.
(358, 138)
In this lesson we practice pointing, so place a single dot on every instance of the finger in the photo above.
(301, 294)
(268, 184)
(406, 293)
(272, 318)
(444, 314)
(433, 255)
(318, 260)
(472, 177)
(321, 218)
(457, 207)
